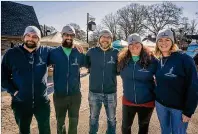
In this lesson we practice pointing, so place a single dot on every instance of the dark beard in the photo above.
(66, 44)
(32, 45)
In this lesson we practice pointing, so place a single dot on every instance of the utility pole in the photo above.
(87, 27)
(91, 25)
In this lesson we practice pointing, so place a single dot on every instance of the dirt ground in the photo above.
(8, 124)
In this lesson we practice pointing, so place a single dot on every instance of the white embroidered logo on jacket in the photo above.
(170, 73)
(41, 62)
(75, 63)
(111, 61)
(143, 70)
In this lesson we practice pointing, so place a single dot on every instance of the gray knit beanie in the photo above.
(32, 29)
(107, 32)
(68, 29)
(134, 38)
(165, 33)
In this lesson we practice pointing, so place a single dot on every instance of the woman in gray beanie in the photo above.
(137, 68)
(176, 78)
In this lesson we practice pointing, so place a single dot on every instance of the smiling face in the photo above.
(105, 41)
(67, 40)
(164, 45)
(31, 40)
(135, 48)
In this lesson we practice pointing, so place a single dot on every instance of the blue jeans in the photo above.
(95, 104)
(170, 120)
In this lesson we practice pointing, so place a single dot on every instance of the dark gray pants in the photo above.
(23, 115)
(63, 104)
(128, 114)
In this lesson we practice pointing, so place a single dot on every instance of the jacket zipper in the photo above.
(134, 82)
(33, 81)
(32, 75)
(68, 77)
(103, 75)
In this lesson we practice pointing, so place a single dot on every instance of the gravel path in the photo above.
(8, 125)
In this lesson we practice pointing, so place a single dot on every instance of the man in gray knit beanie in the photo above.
(102, 62)
(68, 33)
(31, 37)
(24, 69)
(105, 39)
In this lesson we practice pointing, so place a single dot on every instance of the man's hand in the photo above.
(16, 93)
(185, 118)
(79, 48)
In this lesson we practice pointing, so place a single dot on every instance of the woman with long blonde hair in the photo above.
(175, 92)
(137, 67)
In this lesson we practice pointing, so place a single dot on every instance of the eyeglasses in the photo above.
(67, 35)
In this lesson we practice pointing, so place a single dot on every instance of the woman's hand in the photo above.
(185, 118)
(79, 48)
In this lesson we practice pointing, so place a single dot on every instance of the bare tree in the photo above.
(47, 30)
(80, 34)
(184, 24)
(123, 22)
(130, 19)
(95, 35)
(197, 17)
(183, 29)
(187, 27)
(74, 25)
(158, 16)
(110, 21)
(193, 27)
(120, 35)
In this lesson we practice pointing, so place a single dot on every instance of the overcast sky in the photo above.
(58, 14)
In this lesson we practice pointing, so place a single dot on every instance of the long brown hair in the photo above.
(124, 57)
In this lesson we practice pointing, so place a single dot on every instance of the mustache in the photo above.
(30, 41)
(71, 40)
(67, 44)
(30, 45)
